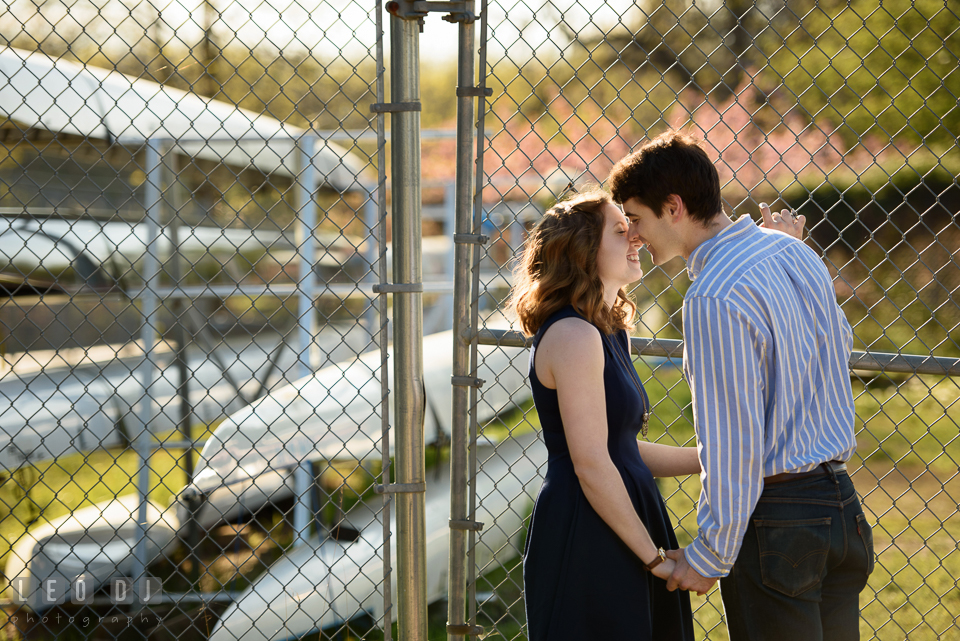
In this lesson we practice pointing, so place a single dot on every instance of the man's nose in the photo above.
(633, 230)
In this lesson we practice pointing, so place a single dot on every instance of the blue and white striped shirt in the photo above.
(766, 355)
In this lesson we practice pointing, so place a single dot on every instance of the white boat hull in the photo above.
(96, 542)
(323, 584)
(334, 415)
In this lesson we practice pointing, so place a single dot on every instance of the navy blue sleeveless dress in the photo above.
(581, 581)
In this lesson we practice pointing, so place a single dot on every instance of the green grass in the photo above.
(50, 489)
(906, 470)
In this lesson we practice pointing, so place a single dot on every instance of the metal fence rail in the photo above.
(210, 235)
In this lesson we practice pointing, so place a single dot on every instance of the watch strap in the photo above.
(660, 558)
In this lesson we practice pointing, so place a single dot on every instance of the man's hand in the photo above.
(685, 577)
(786, 221)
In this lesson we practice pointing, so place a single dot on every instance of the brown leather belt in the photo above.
(824, 468)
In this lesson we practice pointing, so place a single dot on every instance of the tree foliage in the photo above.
(885, 69)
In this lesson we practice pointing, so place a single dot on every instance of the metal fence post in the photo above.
(153, 195)
(408, 329)
(179, 309)
(306, 314)
(463, 259)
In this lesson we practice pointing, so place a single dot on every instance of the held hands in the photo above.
(786, 220)
(684, 576)
(664, 569)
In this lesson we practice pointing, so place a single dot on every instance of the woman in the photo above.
(594, 564)
(599, 521)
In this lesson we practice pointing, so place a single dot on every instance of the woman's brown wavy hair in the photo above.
(558, 267)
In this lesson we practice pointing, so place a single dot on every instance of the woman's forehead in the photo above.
(614, 215)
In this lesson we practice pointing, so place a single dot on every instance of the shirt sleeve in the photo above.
(724, 362)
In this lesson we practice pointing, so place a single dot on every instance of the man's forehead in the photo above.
(632, 209)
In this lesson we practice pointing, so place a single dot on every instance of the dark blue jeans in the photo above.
(805, 558)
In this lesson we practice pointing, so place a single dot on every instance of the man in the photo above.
(766, 353)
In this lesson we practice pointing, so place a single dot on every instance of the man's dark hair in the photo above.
(672, 163)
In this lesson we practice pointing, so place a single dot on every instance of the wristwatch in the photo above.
(661, 557)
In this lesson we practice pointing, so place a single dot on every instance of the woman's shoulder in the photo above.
(557, 316)
(574, 335)
(569, 344)
(565, 312)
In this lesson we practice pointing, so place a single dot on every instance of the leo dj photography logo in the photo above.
(80, 591)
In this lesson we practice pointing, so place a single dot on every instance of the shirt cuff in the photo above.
(705, 561)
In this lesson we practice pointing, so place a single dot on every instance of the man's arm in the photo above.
(724, 362)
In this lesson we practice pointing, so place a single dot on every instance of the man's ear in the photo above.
(674, 208)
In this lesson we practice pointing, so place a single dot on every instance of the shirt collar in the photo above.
(702, 252)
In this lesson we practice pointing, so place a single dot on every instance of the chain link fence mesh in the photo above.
(846, 113)
(190, 239)
(167, 299)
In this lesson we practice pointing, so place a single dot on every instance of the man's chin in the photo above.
(661, 259)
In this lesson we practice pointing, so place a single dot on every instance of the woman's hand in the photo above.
(786, 220)
(664, 570)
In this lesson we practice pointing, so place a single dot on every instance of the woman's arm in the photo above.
(669, 460)
(570, 356)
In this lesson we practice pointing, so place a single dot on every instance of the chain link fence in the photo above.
(192, 229)
(845, 112)
(194, 209)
